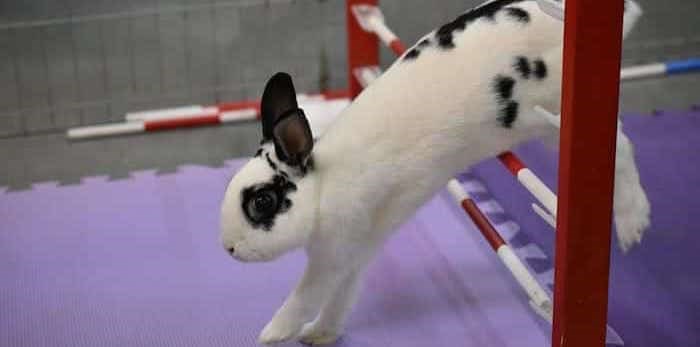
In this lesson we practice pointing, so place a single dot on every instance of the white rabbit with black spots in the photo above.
(463, 93)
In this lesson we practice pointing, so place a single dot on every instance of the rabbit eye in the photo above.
(263, 205)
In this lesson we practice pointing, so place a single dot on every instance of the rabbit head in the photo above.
(270, 206)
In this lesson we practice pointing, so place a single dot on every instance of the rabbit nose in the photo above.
(231, 250)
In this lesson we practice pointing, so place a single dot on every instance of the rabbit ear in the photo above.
(278, 99)
(293, 139)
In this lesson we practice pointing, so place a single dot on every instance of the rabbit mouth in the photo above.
(251, 256)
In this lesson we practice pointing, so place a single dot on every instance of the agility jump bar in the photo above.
(534, 185)
(371, 20)
(539, 299)
(224, 113)
(674, 67)
(186, 117)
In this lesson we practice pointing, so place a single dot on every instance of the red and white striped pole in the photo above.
(188, 117)
(172, 112)
(539, 299)
(534, 185)
(371, 20)
(222, 113)
(363, 48)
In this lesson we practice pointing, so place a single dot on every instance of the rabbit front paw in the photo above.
(315, 334)
(281, 328)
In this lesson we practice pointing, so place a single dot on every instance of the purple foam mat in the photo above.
(654, 289)
(137, 262)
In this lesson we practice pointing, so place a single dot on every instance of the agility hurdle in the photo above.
(579, 317)
(188, 117)
(369, 18)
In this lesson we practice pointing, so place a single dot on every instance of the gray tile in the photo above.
(200, 60)
(38, 121)
(97, 114)
(66, 118)
(174, 50)
(11, 124)
(9, 86)
(32, 68)
(227, 62)
(62, 70)
(145, 48)
(91, 67)
(118, 51)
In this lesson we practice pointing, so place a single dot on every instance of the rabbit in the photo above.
(460, 95)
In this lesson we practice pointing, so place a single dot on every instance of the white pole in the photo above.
(106, 130)
(642, 71)
(539, 298)
(164, 113)
(539, 190)
(238, 115)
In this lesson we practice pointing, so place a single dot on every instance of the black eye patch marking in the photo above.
(262, 203)
(258, 153)
(518, 14)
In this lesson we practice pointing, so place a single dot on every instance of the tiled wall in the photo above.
(66, 63)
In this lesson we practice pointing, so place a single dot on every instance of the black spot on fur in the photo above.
(259, 152)
(488, 11)
(522, 66)
(509, 113)
(540, 69)
(412, 54)
(504, 87)
(277, 190)
(416, 50)
(518, 14)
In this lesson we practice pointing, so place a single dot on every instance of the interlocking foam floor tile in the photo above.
(137, 262)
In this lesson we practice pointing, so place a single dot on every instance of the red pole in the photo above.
(590, 91)
(363, 47)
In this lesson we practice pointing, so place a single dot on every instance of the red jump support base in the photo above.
(591, 73)
(363, 47)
